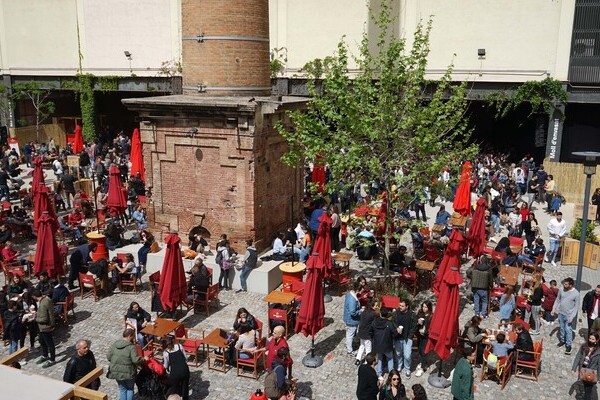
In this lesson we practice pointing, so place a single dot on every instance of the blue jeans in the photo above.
(304, 253)
(14, 346)
(566, 330)
(403, 353)
(554, 246)
(480, 301)
(126, 389)
(244, 276)
(496, 222)
(390, 362)
(522, 258)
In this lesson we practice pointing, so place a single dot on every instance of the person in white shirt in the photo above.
(58, 168)
(557, 228)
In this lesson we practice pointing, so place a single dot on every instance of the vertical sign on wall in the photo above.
(555, 131)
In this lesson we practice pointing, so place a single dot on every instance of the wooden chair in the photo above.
(530, 268)
(134, 277)
(340, 277)
(252, 362)
(408, 278)
(259, 327)
(431, 253)
(191, 340)
(211, 295)
(12, 268)
(533, 365)
(501, 371)
(68, 305)
(88, 286)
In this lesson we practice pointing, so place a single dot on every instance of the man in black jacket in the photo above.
(382, 331)
(523, 342)
(368, 384)
(82, 363)
(591, 306)
(79, 258)
(405, 322)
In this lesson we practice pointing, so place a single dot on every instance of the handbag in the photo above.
(588, 375)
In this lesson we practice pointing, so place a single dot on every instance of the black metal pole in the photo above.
(95, 202)
(584, 224)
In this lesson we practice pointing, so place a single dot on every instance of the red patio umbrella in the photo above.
(318, 173)
(78, 142)
(311, 316)
(41, 204)
(462, 199)
(38, 175)
(172, 287)
(116, 201)
(443, 330)
(47, 254)
(476, 236)
(451, 257)
(136, 157)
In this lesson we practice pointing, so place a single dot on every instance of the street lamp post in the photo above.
(589, 169)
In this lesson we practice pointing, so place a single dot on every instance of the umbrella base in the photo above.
(312, 361)
(327, 298)
(438, 381)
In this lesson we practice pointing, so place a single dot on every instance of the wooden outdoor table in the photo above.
(280, 297)
(218, 340)
(508, 275)
(343, 258)
(425, 265)
(162, 327)
(425, 268)
(512, 336)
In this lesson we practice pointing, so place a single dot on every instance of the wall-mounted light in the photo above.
(127, 54)
(481, 53)
(191, 132)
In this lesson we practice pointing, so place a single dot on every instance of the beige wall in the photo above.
(39, 37)
(523, 40)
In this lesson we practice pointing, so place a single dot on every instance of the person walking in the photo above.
(46, 325)
(175, 363)
(423, 321)
(405, 322)
(80, 364)
(534, 300)
(591, 306)
(557, 228)
(368, 383)
(365, 332)
(250, 260)
(463, 387)
(351, 317)
(482, 281)
(382, 332)
(588, 360)
(124, 360)
(566, 306)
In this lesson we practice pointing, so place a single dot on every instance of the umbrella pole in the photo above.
(95, 202)
(438, 380)
(310, 360)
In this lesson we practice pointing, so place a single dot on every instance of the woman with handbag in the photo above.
(587, 364)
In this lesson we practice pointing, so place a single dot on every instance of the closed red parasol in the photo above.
(443, 330)
(451, 257)
(78, 142)
(172, 287)
(41, 203)
(476, 236)
(47, 254)
(38, 175)
(462, 200)
(116, 201)
(311, 316)
(136, 157)
(318, 173)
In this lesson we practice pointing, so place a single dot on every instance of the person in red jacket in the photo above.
(276, 342)
(550, 293)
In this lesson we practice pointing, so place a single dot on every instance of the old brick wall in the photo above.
(226, 63)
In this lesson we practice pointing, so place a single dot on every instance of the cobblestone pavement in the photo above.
(102, 323)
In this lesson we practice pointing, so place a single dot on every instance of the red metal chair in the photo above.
(88, 286)
(252, 362)
(391, 302)
(282, 316)
(408, 278)
(191, 341)
(431, 253)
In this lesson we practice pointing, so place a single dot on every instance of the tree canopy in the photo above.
(388, 122)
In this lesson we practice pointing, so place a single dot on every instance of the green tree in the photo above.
(38, 95)
(386, 119)
(5, 105)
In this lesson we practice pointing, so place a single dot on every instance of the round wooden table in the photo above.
(291, 272)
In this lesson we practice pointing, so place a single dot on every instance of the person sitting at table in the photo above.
(417, 237)
(475, 335)
(199, 281)
(59, 293)
(140, 218)
(246, 342)
(523, 342)
(99, 269)
(17, 286)
(398, 259)
(74, 220)
(43, 284)
(141, 317)
(10, 255)
(364, 292)
(500, 348)
(114, 235)
(126, 270)
(510, 259)
(5, 233)
(532, 253)
(244, 318)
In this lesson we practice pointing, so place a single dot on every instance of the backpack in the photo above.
(271, 389)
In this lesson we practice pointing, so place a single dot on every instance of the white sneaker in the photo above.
(546, 259)
(553, 264)
(419, 372)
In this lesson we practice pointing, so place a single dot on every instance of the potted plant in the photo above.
(590, 236)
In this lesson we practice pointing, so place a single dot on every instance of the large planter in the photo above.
(570, 253)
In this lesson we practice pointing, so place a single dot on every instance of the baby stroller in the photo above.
(151, 384)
